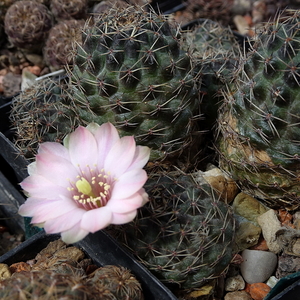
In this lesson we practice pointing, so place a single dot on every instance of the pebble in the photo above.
(248, 207)
(272, 281)
(4, 271)
(238, 295)
(247, 234)
(258, 265)
(287, 265)
(234, 283)
(270, 225)
(258, 291)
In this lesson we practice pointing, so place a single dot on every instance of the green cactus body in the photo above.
(27, 24)
(131, 72)
(42, 113)
(184, 235)
(259, 122)
(217, 52)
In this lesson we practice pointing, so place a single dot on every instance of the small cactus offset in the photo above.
(27, 24)
(131, 71)
(259, 120)
(184, 235)
(59, 44)
(69, 9)
(118, 281)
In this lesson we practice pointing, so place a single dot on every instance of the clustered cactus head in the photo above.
(184, 235)
(69, 9)
(259, 121)
(60, 43)
(131, 71)
(27, 24)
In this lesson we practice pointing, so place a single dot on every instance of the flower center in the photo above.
(92, 190)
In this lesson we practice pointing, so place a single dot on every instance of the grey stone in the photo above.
(258, 265)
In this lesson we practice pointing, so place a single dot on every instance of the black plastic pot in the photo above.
(103, 250)
(287, 288)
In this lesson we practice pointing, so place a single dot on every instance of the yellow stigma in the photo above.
(84, 187)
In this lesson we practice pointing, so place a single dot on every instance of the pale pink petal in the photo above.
(74, 234)
(96, 219)
(120, 156)
(41, 209)
(55, 169)
(83, 148)
(119, 219)
(129, 183)
(106, 136)
(122, 206)
(141, 157)
(54, 149)
(37, 185)
(65, 221)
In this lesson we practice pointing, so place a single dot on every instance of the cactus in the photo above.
(27, 24)
(69, 9)
(60, 271)
(259, 120)
(184, 235)
(118, 281)
(131, 72)
(43, 285)
(217, 52)
(59, 45)
(42, 113)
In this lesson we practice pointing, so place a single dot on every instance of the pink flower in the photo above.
(95, 179)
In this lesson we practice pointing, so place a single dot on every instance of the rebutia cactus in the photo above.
(131, 72)
(217, 53)
(112, 282)
(260, 120)
(42, 113)
(69, 9)
(27, 24)
(184, 235)
(60, 42)
(43, 285)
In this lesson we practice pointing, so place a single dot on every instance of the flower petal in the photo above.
(39, 186)
(129, 183)
(122, 206)
(141, 157)
(43, 210)
(54, 149)
(106, 136)
(96, 219)
(82, 148)
(74, 234)
(56, 169)
(65, 221)
(119, 219)
(120, 156)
